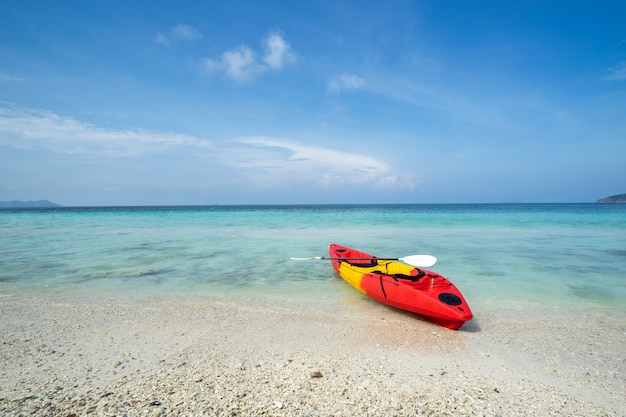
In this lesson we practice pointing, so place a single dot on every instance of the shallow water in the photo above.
(500, 256)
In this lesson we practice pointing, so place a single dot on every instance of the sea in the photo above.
(502, 257)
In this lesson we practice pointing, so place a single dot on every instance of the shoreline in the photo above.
(115, 357)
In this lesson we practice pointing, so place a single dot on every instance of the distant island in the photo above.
(619, 198)
(26, 204)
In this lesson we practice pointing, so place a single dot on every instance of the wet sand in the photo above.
(201, 358)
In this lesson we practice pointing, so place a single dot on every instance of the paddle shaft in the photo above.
(414, 260)
(360, 259)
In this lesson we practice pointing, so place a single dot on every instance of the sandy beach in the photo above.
(204, 358)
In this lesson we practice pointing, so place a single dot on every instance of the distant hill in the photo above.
(21, 204)
(619, 198)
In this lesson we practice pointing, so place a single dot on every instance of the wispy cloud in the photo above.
(396, 182)
(279, 160)
(241, 64)
(617, 73)
(4, 77)
(25, 128)
(262, 161)
(345, 82)
(181, 32)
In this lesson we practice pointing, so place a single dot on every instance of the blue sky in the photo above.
(249, 102)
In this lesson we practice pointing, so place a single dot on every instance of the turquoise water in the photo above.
(548, 254)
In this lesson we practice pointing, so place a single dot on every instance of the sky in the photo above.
(194, 102)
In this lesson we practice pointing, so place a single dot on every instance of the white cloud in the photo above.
(262, 161)
(617, 73)
(241, 64)
(393, 181)
(181, 32)
(185, 32)
(24, 128)
(284, 161)
(278, 52)
(345, 82)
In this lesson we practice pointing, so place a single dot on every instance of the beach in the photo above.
(195, 357)
(199, 311)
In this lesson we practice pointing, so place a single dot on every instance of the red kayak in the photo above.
(402, 286)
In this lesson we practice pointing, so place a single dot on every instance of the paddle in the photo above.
(423, 261)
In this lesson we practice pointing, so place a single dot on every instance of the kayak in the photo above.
(402, 286)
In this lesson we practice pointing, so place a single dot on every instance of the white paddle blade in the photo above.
(307, 259)
(423, 261)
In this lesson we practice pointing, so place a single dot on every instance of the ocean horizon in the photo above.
(54, 205)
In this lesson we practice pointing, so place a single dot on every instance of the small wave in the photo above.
(136, 273)
(8, 278)
(591, 292)
(122, 273)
